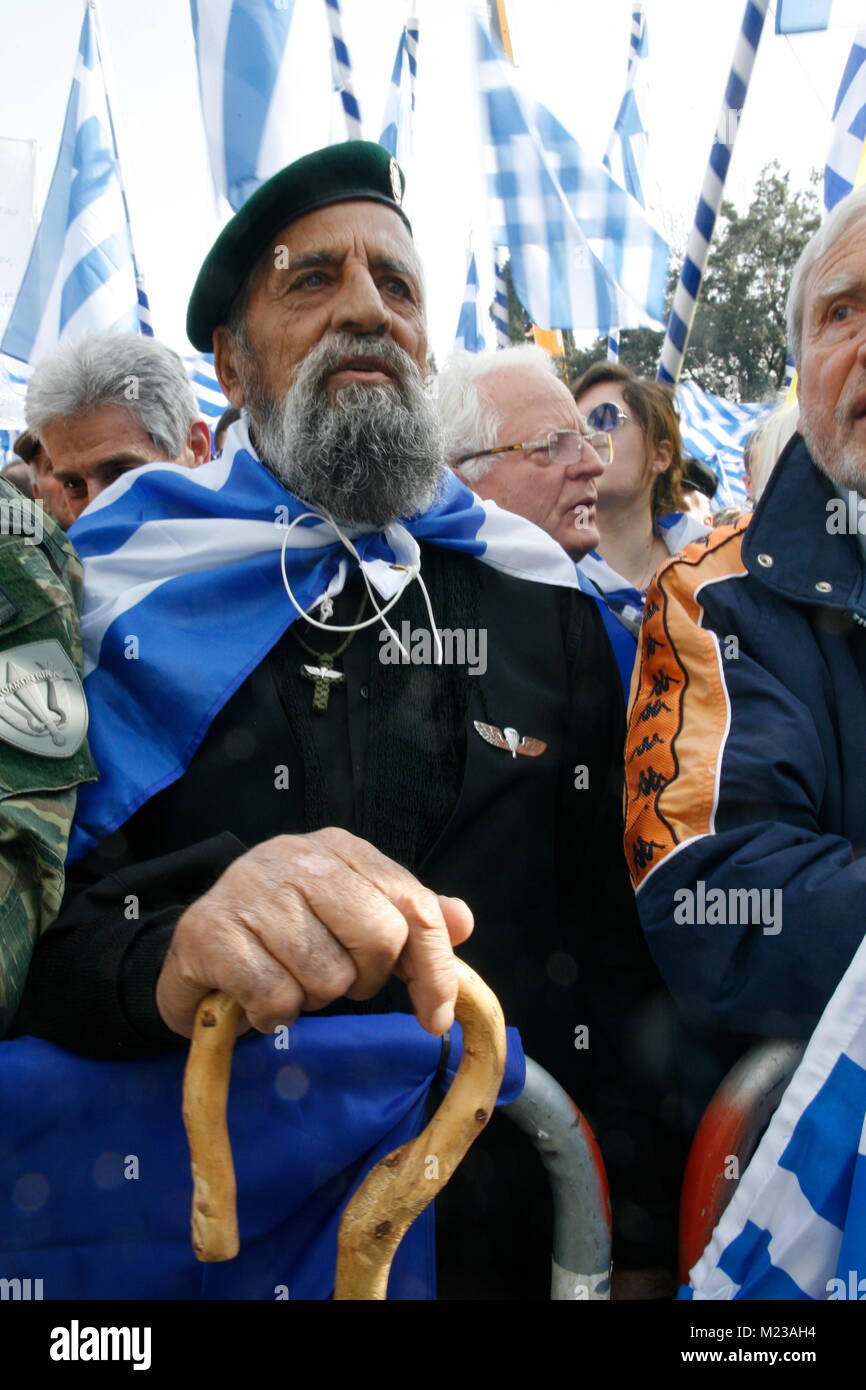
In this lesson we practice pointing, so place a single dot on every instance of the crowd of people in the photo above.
(690, 688)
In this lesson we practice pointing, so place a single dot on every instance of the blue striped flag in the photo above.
(802, 16)
(400, 104)
(342, 71)
(583, 253)
(193, 558)
(626, 152)
(500, 299)
(470, 337)
(207, 390)
(849, 126)
(796, 1225)
(243, 82)
(82, 275)
(716, 430)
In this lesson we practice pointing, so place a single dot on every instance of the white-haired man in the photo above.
(108, 403)
(746, 758)
(515, 436)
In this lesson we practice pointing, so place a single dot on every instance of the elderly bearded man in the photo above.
(290, 837)
(746, 764)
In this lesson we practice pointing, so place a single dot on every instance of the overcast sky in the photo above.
(571, 54)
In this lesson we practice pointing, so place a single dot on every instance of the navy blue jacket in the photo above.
(746, 771)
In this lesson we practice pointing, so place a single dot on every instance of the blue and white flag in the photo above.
(716, 430)
(849, 126)
(796, 1225)
(626, 152)
(244, 85)
(400, 106)
(500, 299)
(206, 387)
(583, 253)
(802, 16)
(81, 276)
(310, 1112)
(341, 68)
(190, 561)
(470, 337)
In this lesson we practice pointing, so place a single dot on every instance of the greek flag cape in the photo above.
(184, 597)
(796, 1225)
(620, 602)
(96, 1169)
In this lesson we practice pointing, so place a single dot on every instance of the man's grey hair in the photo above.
(471, 422)
(847, 212)
(140, 374)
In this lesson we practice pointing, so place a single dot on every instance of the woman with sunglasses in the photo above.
(639, 510)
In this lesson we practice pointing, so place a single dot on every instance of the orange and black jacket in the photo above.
(746, 769)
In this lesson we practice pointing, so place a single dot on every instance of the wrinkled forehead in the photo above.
(365, 230)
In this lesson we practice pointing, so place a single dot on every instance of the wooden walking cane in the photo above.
(394, 1192)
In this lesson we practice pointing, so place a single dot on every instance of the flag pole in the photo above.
(548, 338)
(635, 42)
(343, 63)
(687, 291)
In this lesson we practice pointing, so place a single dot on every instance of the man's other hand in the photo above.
(302, 920)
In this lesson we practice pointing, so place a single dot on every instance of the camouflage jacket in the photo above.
(43, 723)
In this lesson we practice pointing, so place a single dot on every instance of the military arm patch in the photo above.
(42, 705)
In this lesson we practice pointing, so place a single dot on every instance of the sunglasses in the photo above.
(607, 416)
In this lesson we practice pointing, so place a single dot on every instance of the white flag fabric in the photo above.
(583, 253)
(849, 126)
(796, 1225)
(400, 105)
(245, 92)
(81, 276)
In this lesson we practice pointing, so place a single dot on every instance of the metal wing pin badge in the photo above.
(510, 740)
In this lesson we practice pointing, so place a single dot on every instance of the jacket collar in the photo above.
(789, 546)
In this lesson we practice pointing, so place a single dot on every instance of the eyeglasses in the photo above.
(561, 446)
(607, 416)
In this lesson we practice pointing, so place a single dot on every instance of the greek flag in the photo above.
(583, 254)
(243, 81)
(849, 127)
(400, 106)
(796, 1225)
(626, 152)
(190, 561)
(500, 299)
(469, 335)
(310, 1112)
(802, 16)
(82, 275)
(716, 431)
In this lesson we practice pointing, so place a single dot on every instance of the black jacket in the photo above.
(532, 844)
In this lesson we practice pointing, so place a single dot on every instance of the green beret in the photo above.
(339, 174)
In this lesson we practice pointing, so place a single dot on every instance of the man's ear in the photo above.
(198, 443)
(227, 366)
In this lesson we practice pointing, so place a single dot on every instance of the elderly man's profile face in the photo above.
(560, 498)
(832, 368)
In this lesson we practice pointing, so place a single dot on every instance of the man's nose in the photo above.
(359, 307)
(589, 465)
